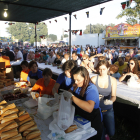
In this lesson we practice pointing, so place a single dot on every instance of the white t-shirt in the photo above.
(19, 55)
(63, 61)
(51, 59)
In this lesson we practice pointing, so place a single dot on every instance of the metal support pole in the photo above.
(98, 39)
(90, 28)
(35, 37)
(70, 34)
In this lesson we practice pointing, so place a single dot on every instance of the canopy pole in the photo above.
(35, 37)
(70, 35)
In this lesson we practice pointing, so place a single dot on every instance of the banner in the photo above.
(123, 30)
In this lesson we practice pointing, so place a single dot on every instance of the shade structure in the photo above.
(34, 11)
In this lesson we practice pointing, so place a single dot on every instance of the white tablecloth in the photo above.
(43, 125)
(123, 91)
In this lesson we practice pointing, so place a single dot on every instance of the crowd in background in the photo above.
(109, 63)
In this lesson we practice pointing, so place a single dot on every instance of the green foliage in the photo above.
(132, 14)
(97, 28)
(53, 37)
(26, 32)
(65, 35)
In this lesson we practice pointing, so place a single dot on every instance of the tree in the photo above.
(97, 28)
(61, 37)
(26, 32)
(53, 37)
(65, 35)
(132, 14)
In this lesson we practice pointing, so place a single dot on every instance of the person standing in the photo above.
(106, 86)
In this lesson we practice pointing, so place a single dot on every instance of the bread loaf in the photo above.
(1, 83)
(37, 138)
(2, 107)
(33, 134)
(23, 117)
(71, 128)
(3, 102)
(26, 126)
(27, 120)
(9, 134)
(5, 124)
(9, 118)
(21, 113)
(17, 137)
(9, 127)
(1, 86)
(11, 106)
(8, 112)
(26, 132)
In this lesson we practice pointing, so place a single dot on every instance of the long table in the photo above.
(123, 91)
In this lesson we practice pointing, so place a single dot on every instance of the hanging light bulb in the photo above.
(5, 14)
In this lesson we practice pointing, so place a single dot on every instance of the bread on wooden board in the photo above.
(23, 117)
(17, 137)
(71, 128)
(8, 112)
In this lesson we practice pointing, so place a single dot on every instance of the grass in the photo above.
(125, 129)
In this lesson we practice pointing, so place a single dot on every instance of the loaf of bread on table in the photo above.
(1, 86)
(24, 121)
(37, 138)
(11, 106)
(2, 107)
(9, 127)
(25, 126)
(26, 132)
(8, 112)
(1, 83)
(71, 128)
(3, 102)
(9, 134)
(9, 118)
(6, 124)
(22, 113)
(33, 134)
(17, 137)
(23, 117)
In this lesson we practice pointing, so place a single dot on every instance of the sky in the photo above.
(112, 9)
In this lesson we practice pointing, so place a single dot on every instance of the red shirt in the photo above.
(37, 56)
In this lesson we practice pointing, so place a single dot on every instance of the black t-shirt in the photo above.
(10, 55)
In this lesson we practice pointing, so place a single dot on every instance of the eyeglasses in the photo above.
(131, 63)
(84, 59)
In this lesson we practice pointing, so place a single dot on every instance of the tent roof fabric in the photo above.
(34, 11)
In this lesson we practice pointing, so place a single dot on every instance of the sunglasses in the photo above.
(84, 59)
(131, 63)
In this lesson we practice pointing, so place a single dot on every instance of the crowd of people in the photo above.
(92, 97)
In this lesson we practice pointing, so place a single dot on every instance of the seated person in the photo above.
(132, 69)
(57, 60)
(45, 84)
(5, 59)
(66, 58)
(45, 56)
(37, 55)
(86, 63)
(24, 54)
(76, 58)
(64, 80)
(127, 58)
(34, 73)
(51, 58)
(41, 58)
(114, 71)
(31, 55)
(121, 64)
(24, 72)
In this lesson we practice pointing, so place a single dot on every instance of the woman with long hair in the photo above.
(85, 97)
(106, 86)
(132, 69)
